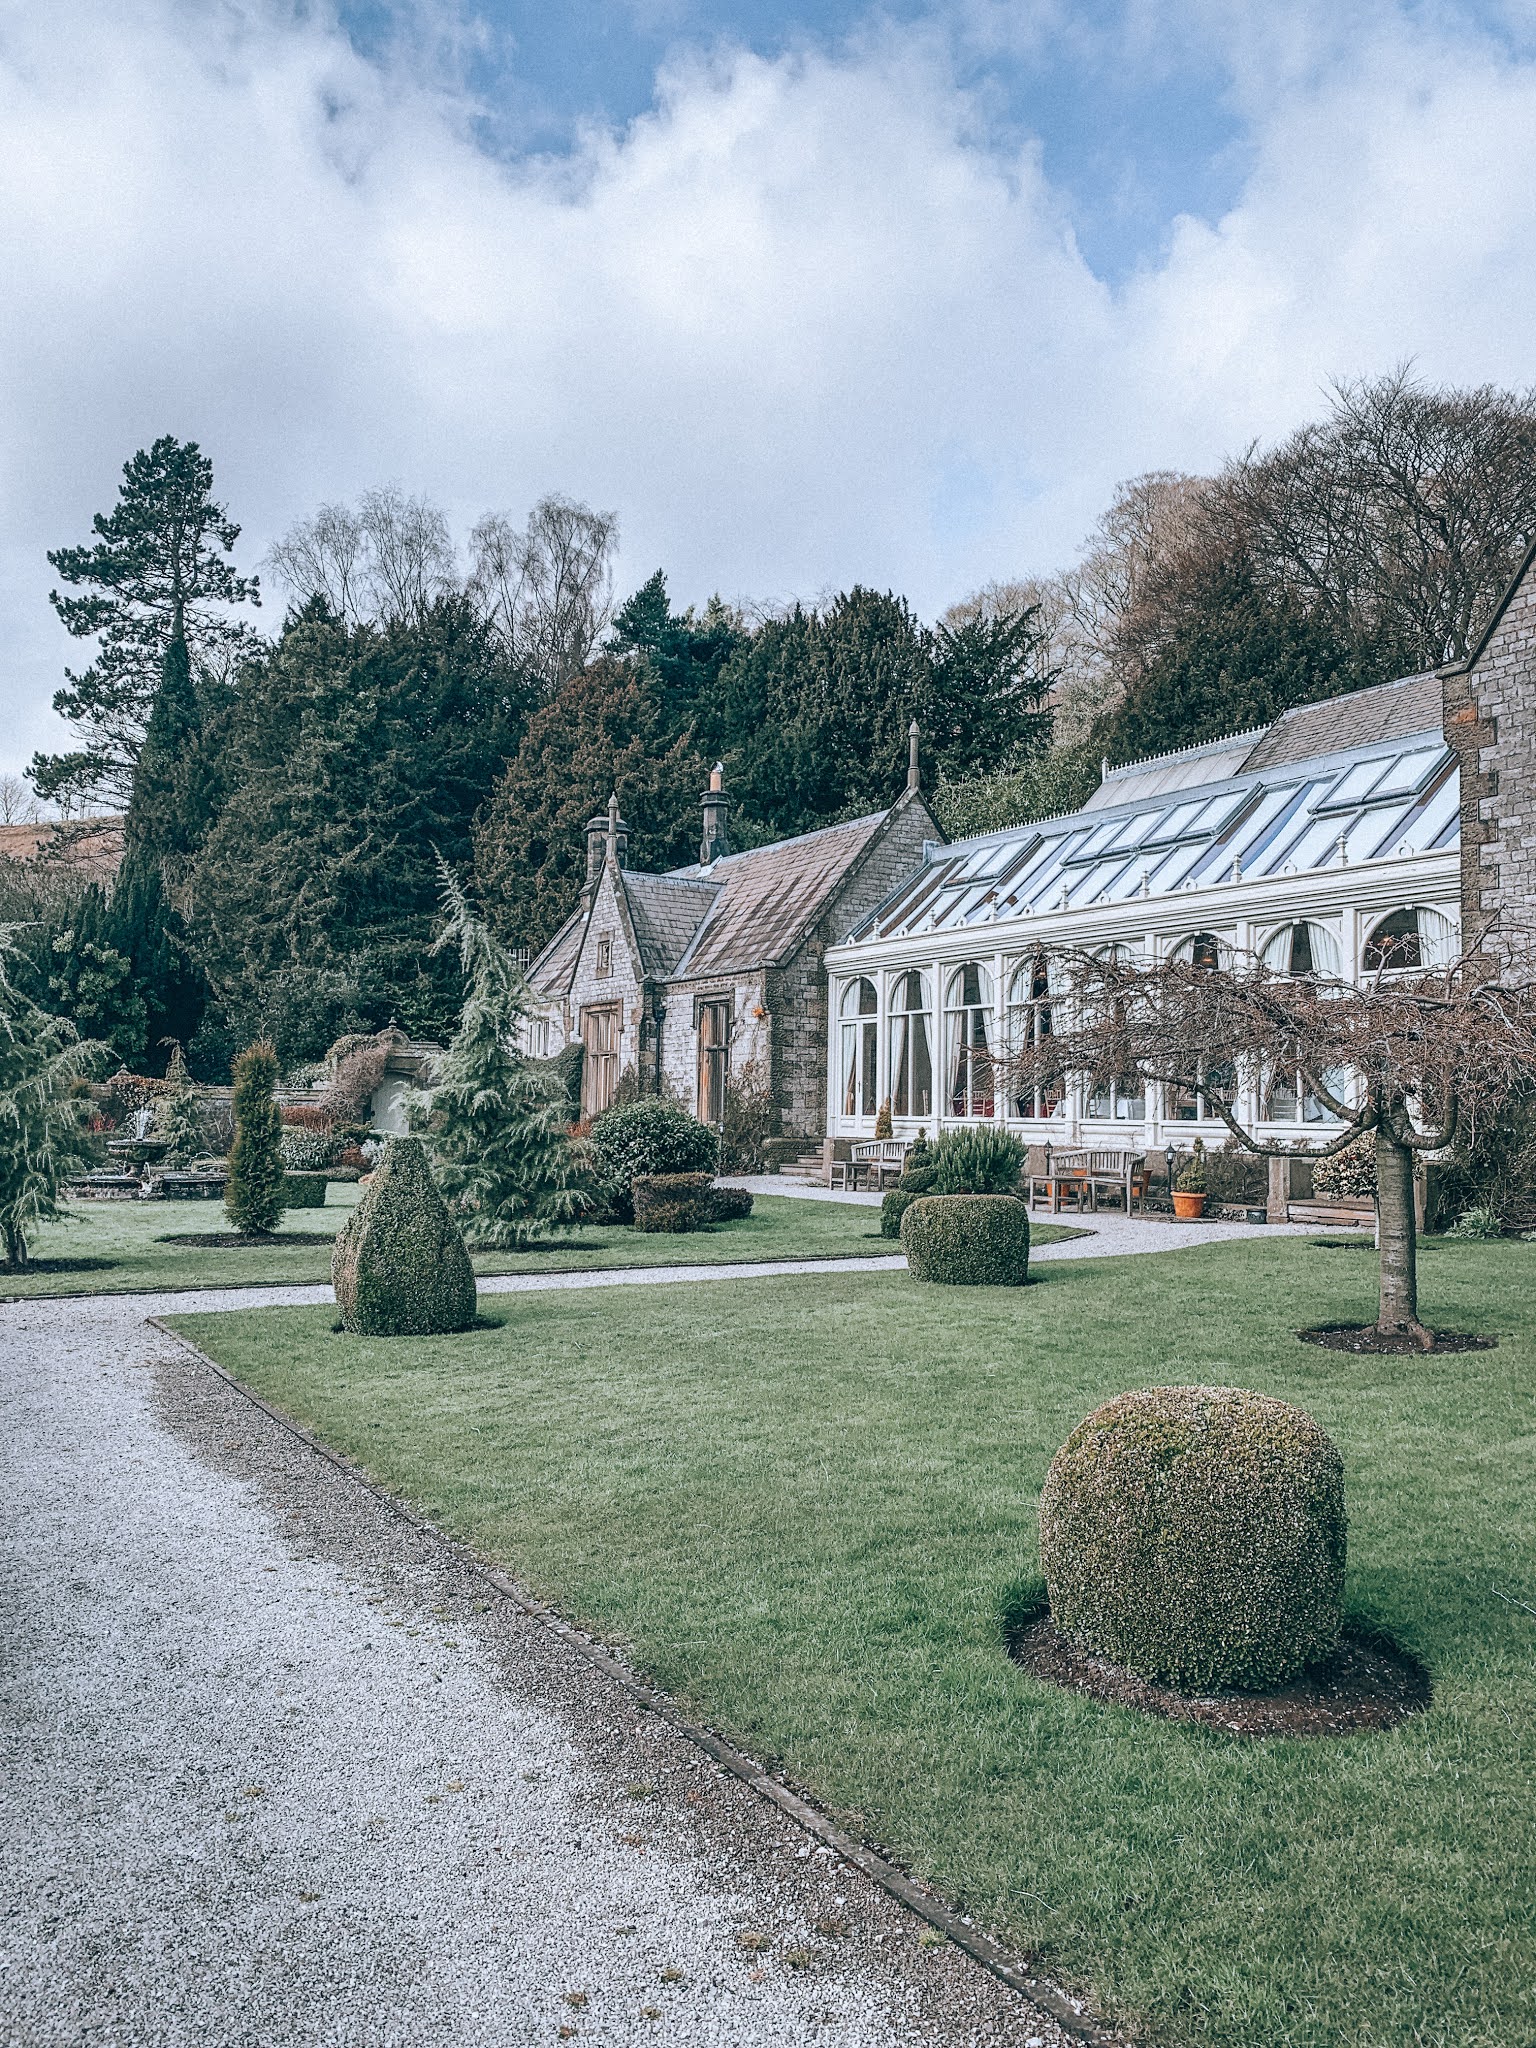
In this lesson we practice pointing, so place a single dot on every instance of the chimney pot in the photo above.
(715, 843)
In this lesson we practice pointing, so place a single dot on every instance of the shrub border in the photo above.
(1069, 2013)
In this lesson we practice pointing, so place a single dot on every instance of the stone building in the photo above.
(714, 971)
(1490, 719)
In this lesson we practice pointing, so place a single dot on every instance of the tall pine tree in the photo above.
(157, 573)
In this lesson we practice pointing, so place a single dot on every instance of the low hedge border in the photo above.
(673, 1201)
(967, 1240)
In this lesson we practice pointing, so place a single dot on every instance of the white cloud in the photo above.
(800, 325)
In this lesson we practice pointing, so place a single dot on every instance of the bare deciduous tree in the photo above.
(549, 585)
(1399, 518)
(19, 804)
(1082, 609)
(1418, 1058)
(390, 558)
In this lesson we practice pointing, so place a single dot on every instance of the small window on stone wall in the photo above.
(605, 956)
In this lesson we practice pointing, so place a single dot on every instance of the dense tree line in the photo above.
(288, 798)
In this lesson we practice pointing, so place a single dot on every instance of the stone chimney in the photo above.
(914, 774)
(716, 841)
(607, 830)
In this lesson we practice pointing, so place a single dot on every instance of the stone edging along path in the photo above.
(1069, 2014)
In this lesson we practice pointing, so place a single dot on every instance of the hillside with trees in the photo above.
(288, 795)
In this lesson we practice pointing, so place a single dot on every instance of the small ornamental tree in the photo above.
(254, 1197)
(1416, 1060)
(501, 1148)
(178, 1117)
(42, 1127)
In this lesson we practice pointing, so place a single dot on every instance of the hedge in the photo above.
(648, 1138)
(305, 1190)
(895, 1205)
(1197, 1536)
(400, 1268)
(967, 1240)
(673, 1201)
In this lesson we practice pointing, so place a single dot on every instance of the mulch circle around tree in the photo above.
(1368, 1684)
(1366, 1338)
(246, 1240)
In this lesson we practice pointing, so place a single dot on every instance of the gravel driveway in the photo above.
(278, 1771)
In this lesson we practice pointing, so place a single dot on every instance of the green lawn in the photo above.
(122, 1240)
(802, 1502)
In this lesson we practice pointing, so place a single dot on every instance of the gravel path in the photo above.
(278, 1771)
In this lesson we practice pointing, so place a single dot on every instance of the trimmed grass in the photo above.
(802, 1503)
(121, 1240)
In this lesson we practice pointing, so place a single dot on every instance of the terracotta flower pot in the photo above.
(1188, 1206)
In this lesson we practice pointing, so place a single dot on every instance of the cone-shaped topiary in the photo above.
(400, 1268)
(966, 1240)
(254, 1195)
(1196, 1535)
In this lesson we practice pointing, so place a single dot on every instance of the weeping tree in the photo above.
(498, 1127)
(1419, 1061)
(42, 1138)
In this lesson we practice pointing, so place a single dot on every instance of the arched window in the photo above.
(1410, 938)
(1125, 1098)
(969, 1006)
(860, 1011)
(1203, 949)
(911, 1047)
(1304, 948)
(1030, 1021)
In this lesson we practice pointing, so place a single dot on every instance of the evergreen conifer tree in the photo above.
(156, 573)
(501, 1151)
(41, 1128)
(253, 1200)
(178, 1118)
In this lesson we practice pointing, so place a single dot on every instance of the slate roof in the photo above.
(767, 896)
(1391, 711)
(666, 910)
(551, 972)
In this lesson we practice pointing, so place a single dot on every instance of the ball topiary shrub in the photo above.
(673, 1201)
(1196, 1535)
(648, 1138)
(967, 1240)
(979, 1162)
(895, 1205)
(400, 1268)
(732, 1204)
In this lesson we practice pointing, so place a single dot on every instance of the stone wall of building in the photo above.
(621, 985)
(797, 992)
(1491, 721)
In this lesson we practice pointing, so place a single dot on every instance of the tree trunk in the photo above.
(1398, 1313)
(15, 1247)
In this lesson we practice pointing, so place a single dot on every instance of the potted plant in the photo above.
(1189, 1188)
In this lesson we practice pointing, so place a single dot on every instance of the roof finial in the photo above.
(914, 773)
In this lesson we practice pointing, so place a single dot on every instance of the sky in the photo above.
(807, 294)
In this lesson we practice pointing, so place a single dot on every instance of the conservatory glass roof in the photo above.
(1296, 818)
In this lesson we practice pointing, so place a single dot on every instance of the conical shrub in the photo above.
(400, 1268)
